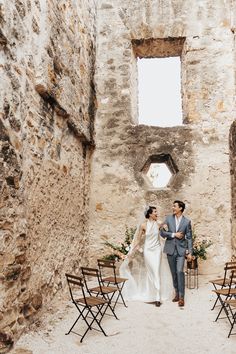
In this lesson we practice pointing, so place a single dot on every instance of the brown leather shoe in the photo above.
(181, 302)
(158, 304)
(176, 298)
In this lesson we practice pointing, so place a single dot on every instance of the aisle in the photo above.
(142, 329)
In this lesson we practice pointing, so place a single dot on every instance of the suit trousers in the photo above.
(176, 263)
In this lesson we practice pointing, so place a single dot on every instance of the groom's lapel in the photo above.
(181, 223)
(173, 223)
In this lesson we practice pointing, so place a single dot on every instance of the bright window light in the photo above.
(159, 175)
(159, 86)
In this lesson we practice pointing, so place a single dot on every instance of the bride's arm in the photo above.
(164, 232)
(138, 240)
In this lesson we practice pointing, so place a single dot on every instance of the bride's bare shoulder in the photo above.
(143, 226)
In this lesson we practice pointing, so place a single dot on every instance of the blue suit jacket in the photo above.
(186, 243)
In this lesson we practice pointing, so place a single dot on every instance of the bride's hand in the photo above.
(163, 227)
(129, 257)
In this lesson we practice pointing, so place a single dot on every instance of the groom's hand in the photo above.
(179, 235)
(189, 257)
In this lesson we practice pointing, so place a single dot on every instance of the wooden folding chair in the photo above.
(91, 309)
(113, 279)
(107, 292)
(221, 283)
(225, 294)
(232, 307)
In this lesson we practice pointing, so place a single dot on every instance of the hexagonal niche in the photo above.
(159, 170)
(159, 174)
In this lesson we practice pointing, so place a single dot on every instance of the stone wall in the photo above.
(233, 181)
(232, 139)
(47, 103)
(47, 107)
(199, 148)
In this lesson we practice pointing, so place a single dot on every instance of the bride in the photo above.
(145, 266)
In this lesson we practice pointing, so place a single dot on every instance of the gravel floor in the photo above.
(141, 329)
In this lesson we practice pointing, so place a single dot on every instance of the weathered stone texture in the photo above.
(47, 107)
(232, 145)
(47, 103)
(200, 148)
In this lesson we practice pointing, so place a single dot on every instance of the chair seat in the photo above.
(231, 302)
(220, 281)
(113, 280)
(225, 291)
(91, 301)
(104, 289)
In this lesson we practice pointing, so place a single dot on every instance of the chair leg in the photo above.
(95, 320)
(73, 325)
(215, 303)
(106, 297)
(223, 307)
(232, 324)
(80, 315)
(120, 296)
(216, 298)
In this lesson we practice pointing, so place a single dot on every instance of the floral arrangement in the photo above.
(200, 247)
(120, 251)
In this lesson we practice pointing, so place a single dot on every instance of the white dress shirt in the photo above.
(177, 222)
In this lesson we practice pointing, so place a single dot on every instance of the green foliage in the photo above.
(200, 247)
(110, 257)
(120, 250)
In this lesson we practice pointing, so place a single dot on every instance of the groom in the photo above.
(178, 234)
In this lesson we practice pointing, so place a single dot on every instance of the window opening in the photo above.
(159, 175)
(159, 86)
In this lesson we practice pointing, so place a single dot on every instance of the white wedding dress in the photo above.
(149, 277)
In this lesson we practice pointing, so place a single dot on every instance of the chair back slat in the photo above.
(233, 274)
(90, 272)
(230, 266)
(229, 263)
(75, 282)
(232, 279)
(73, 276)
(109, 264)
(106, 263)
(106, 266)
(93, 272)
(74, 279)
